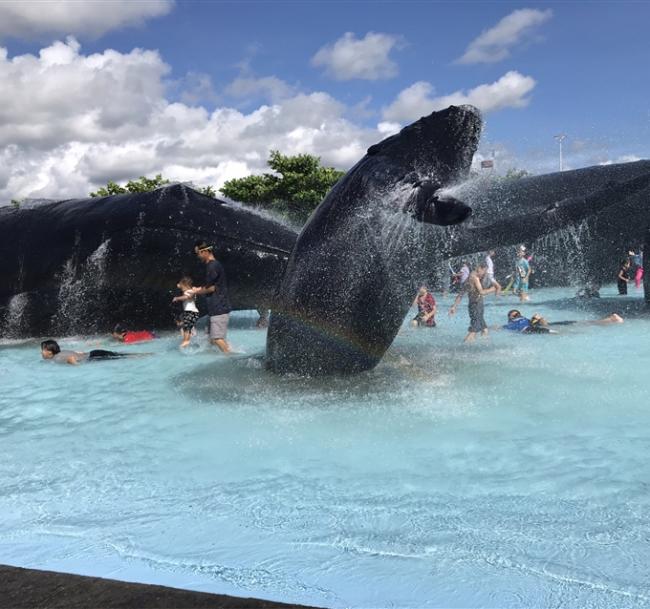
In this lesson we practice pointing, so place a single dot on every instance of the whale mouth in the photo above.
(428, 205)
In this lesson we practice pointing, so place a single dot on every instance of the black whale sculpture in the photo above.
(357, 263)
(83, 265)
(354, 271)
(585, 248)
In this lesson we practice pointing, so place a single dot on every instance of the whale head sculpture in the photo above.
(357, 263)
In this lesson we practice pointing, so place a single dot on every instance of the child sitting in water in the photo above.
(426, 304)
(190, 310)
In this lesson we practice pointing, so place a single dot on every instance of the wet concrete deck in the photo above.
(30, 588)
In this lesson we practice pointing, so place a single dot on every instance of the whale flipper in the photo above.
(426, 205)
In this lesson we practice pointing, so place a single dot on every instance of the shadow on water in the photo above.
(243, 381)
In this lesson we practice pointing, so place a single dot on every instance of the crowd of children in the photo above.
(475, 283)
(481, 281)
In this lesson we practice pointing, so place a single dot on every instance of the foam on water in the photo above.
(508, 473)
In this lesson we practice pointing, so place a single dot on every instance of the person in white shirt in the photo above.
(489, 280)
(463, 274)
(190, 310)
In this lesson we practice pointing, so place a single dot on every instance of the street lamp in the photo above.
(560, 137)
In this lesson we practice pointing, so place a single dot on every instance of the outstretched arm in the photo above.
(204, 290)
(459, 297)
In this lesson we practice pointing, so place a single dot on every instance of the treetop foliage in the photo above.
(298, 185)
(143, 184)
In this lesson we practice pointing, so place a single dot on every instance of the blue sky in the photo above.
(218, 84)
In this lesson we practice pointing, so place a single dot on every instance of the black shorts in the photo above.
(101, 354)
(188, 320)
(420, 321)
(476, 319)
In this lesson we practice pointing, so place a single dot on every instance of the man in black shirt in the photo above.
(215, 290)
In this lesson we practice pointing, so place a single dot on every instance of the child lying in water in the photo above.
(538, 325)
(50, 350)
(131, 336)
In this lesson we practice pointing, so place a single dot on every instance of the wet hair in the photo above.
(119, 329)
(514, 313)
(50, 345)
(186, 281)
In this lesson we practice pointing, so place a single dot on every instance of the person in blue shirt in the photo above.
(538, 325)
(518, 323)
(522, 273)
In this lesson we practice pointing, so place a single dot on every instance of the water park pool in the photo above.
(508, 473)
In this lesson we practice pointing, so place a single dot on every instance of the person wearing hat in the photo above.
(215, 290)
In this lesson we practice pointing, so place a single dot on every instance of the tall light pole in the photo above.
(560, 137)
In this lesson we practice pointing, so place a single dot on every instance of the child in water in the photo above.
(125, 335)
(623, 277)
(426, 304)
(190, 311)
(50, 350)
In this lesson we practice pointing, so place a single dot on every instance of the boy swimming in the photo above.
(50, 350)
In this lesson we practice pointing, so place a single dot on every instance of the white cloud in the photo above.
(367, 58)
(32, 18)
(70, 122)
(196, 88)
(625, 158)
(268, 87)
(509, 91)
(495, 44)
(387, 128)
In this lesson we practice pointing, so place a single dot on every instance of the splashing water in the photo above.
(14, 315)
(566, 249)
(81, 289)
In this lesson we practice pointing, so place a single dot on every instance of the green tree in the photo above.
(298, 185)
(143, 184)
(208, 191)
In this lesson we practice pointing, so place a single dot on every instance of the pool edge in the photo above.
(30, 588)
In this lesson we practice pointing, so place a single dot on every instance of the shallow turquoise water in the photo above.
(509, 473)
